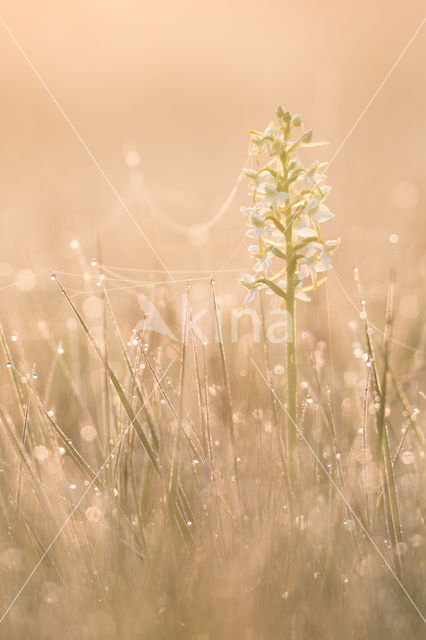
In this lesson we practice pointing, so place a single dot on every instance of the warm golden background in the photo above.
(162, 94)
(180, 83)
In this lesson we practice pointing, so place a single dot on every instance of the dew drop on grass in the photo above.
(74, 244)
(93, 262)
(14, 338)
(8, 364)
(73, 486)
(394, 238)
(60, 349)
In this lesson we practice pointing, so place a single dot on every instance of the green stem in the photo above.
(291, 355)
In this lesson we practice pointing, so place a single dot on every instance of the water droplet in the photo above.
(74, 244)
(93, 262)
(213, 282)
(60, 349)
(53, 276)
(73, 486)
(8, 364)
(394, 238)
(14, 338)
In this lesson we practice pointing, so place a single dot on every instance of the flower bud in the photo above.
(297, 120)
(307, 136)
(283, 114)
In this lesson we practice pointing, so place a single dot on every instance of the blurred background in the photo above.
(163, 95)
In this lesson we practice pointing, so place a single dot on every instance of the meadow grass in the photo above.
(145, 491)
